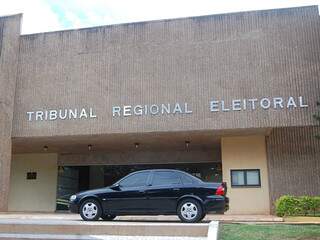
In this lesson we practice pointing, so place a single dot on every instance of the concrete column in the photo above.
(9, 50)
(38, 194)
(247, 152)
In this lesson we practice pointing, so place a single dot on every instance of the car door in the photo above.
(130, 196)
(164, 191)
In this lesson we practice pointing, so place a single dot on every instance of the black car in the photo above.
(153, 192)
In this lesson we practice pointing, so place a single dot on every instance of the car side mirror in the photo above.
(115, 186)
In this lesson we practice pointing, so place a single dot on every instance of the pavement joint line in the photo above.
(101, 223)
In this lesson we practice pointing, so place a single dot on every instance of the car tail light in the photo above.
(220, 191)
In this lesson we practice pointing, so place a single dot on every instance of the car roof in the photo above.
(157, 170)
(160, 170)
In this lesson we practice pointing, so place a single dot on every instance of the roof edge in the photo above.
(275, 11)
(12, 15)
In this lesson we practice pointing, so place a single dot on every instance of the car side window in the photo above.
(161, 178)
(186, 179)
(135, 180)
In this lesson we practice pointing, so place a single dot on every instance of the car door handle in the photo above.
(176, 189)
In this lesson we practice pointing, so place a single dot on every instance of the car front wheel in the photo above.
(90, 210)
(190, 211)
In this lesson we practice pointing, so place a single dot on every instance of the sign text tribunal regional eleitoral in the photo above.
(249, 104)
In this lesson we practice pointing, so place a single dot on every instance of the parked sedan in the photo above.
(153, 192)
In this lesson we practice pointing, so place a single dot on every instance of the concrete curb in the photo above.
(105, 228)
(213, 230)
(12, 236)
(213, 234)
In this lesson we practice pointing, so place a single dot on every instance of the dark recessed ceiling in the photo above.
(124, 142)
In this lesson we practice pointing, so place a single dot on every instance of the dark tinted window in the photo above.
(165, 178)
(135, 180)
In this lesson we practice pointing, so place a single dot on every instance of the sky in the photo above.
(53, 15)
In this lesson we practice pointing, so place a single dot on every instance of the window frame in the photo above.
(246, 185)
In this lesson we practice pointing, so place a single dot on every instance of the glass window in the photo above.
(246, 177)
(165, 178)
(186, 179)
(253, 177)
(237, 177)
(135, 180)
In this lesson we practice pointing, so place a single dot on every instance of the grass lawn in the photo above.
(269, 232)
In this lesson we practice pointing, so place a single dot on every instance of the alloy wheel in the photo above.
(189, 211)
(90, 210)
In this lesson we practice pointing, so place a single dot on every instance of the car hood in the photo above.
(95, 191)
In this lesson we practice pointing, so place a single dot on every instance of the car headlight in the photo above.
(73, 197)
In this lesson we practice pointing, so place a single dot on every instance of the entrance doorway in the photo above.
(73, 179)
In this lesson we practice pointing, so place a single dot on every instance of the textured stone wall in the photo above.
(273, 53)
(9, 49)
(293, 161)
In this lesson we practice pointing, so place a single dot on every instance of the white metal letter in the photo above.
(116, 110)
(30, 115)
(214, 106)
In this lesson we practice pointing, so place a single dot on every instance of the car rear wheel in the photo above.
(202, 217)
(108, 217)
(90, 210)
(190, 211)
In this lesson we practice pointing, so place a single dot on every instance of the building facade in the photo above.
(227, 97)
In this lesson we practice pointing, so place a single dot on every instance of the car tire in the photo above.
(108, 217)
(190, 211)
(90, 210)
(202, 217)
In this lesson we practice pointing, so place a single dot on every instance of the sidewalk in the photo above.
(302, 220)
(76, 217)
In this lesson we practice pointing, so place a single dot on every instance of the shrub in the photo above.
(294, 206)
(306, 204)
(315, 205)
(287, 206)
